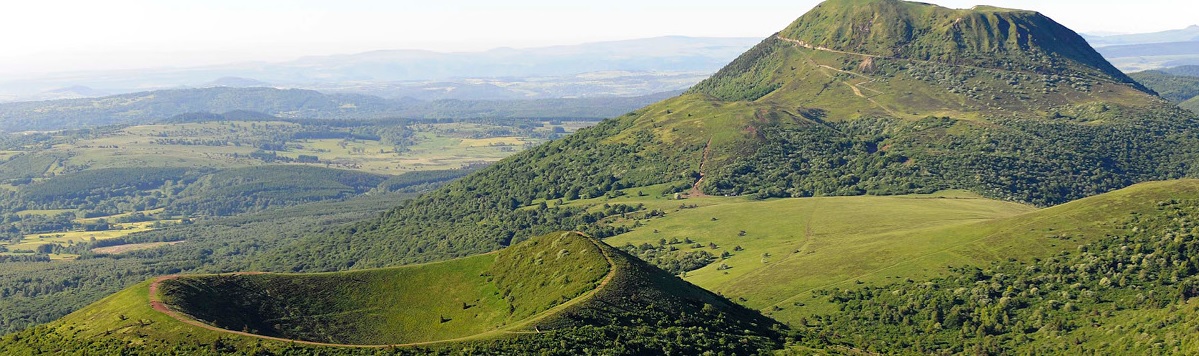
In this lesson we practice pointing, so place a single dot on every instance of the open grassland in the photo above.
(781, 251)
(44, 212)
(432, 152)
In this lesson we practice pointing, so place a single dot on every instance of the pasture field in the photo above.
(30, 242)
(780, 250)
(790, 248)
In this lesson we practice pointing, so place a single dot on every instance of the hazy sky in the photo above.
(72, 35)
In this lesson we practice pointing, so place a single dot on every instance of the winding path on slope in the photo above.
(857, 88)
(160, 306)
(826, 49)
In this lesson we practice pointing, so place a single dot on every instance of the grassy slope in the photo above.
(1192, 104)
(422, 303)
(813, 242)
(840, 242)
(1121, 280)
(368, 307)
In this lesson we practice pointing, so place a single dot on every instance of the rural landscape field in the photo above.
(870, 177)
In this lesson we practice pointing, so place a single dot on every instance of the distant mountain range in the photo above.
(1145, 51)
(159, 105)
(617, 68)
(1188, 34)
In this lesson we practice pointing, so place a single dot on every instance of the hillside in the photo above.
(1051, 124)
(561, 291)
(1121, 279)
(860, 271)
(1179, 85)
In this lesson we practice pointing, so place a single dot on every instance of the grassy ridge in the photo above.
(430, 302)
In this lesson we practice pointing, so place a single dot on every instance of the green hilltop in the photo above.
(982, 36)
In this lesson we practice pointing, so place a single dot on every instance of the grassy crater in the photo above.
(430, 302)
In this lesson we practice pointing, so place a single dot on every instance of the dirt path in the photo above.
(856, 88)
(818, 48)
(159, 306)
(119, 249)
(695, 191)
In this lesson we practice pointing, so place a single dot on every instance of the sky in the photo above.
(80, 35)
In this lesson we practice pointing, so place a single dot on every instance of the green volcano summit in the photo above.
(877, 97)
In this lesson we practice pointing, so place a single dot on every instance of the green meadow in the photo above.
(778, 252)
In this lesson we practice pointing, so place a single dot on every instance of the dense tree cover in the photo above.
(670, 258)
(93, 186)
(239, 190)
(420, 180)
(1075, 302)
(1172, 87)
(1185, 70)
(1043, 162)
(20, 168)
(182, 192)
